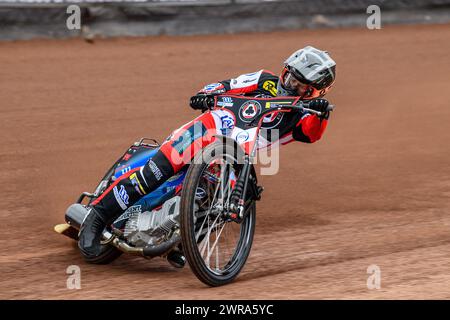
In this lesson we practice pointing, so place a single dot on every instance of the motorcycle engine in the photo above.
(152, 227)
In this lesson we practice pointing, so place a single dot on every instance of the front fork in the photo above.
(237, 200)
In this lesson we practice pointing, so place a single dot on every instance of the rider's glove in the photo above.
(320, 105)
(202, 102)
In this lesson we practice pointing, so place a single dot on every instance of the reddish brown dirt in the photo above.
(375, 190)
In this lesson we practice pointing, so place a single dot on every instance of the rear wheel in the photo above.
(215, 247)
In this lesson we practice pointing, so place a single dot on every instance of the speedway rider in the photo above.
(308, 73)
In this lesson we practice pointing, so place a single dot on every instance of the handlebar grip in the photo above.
(330, 107)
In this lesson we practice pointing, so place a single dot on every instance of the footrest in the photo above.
(67, 230)
(259, 191)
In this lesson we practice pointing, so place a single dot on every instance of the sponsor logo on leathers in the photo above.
(121, 196)
(245, 80)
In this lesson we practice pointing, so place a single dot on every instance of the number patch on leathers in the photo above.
(197, 130)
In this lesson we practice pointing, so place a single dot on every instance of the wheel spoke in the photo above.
(197, 236)
(208, 234)
(215, 242)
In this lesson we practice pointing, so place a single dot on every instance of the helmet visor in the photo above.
(294, 85)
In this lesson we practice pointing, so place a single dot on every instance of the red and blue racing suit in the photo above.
(182, 145)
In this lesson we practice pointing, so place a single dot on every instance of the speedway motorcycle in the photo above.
(205, 213)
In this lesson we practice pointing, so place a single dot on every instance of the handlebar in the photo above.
(302, 106)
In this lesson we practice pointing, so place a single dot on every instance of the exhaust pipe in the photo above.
(75, 215)
(154, 251)
(147, 252)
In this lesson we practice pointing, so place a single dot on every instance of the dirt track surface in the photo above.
(375, 190)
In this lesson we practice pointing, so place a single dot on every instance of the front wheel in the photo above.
(215, 247)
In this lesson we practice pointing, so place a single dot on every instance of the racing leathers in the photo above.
(182, 145)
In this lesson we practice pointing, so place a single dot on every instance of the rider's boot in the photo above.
(91, 233)
(122, 194)
(103, 211)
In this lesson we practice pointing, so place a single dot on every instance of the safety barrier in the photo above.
(25, 19)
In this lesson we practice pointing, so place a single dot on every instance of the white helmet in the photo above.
(308, 73)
